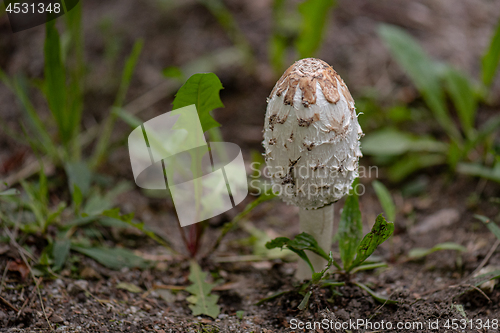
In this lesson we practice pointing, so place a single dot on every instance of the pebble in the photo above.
(56, 318)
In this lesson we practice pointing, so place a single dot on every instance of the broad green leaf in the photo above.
(490, 224)
(375, 296)
(350, 230)
(423, 71)
(464, 98)
(202, 302)
(10, 191)
(381, 230)
(114, 258)
(281, 242)
(479, 170)
(411, 163)
(314, 20)
(385, 199)
(79, 175)
(201, 90)
(55, 80)
(418, 253)
(491, 58)
(393, 142)
(60, 252)
(129, 287)
(127, 218)
(298, 245)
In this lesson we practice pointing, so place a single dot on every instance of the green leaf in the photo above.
(375, 296)
(491, 225)
(129, 287)
(314, 18)
(79, 175)
(55, 80)
(316, 277)
(423, 71)
(479, 170)
(273, 296)
(107, 128)
(490, 127)
(418, 253)
(463, 97)
(60, 252)
(487, 277)
(281, 242)
(10, 191)
(201, 90)
(491, 58)
(202, 302)
(173, 73)
(350, 230)
(114, 258)
(385, 199)
(411, 163)
(394, 142)
(305, 301)
(298, 245)
(381, 230)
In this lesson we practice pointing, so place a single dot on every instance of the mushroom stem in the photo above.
(319, 224)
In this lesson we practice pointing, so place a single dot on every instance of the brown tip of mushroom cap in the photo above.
(305, 73)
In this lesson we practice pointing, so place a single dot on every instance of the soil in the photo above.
(441, 209)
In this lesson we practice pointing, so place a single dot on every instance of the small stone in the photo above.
(56, 318)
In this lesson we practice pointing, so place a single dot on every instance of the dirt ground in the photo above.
(441, 210)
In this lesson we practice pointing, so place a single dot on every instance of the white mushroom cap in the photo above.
(311, 135)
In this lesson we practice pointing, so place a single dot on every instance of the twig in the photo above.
(3, 277)
(23, 257)
(473, 287)
(6, 302)
(29, 299)
(486, 259)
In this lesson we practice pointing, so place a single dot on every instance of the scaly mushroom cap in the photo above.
(311, 135)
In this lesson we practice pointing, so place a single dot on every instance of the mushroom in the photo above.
(311, 141)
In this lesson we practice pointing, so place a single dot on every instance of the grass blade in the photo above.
(314, 20)
(55, 80)
(463, 97)
(375, 296)
(385, 198)
(423, 71)
(490, 224)
(491, 58)
(107, 128)
(418, 253)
